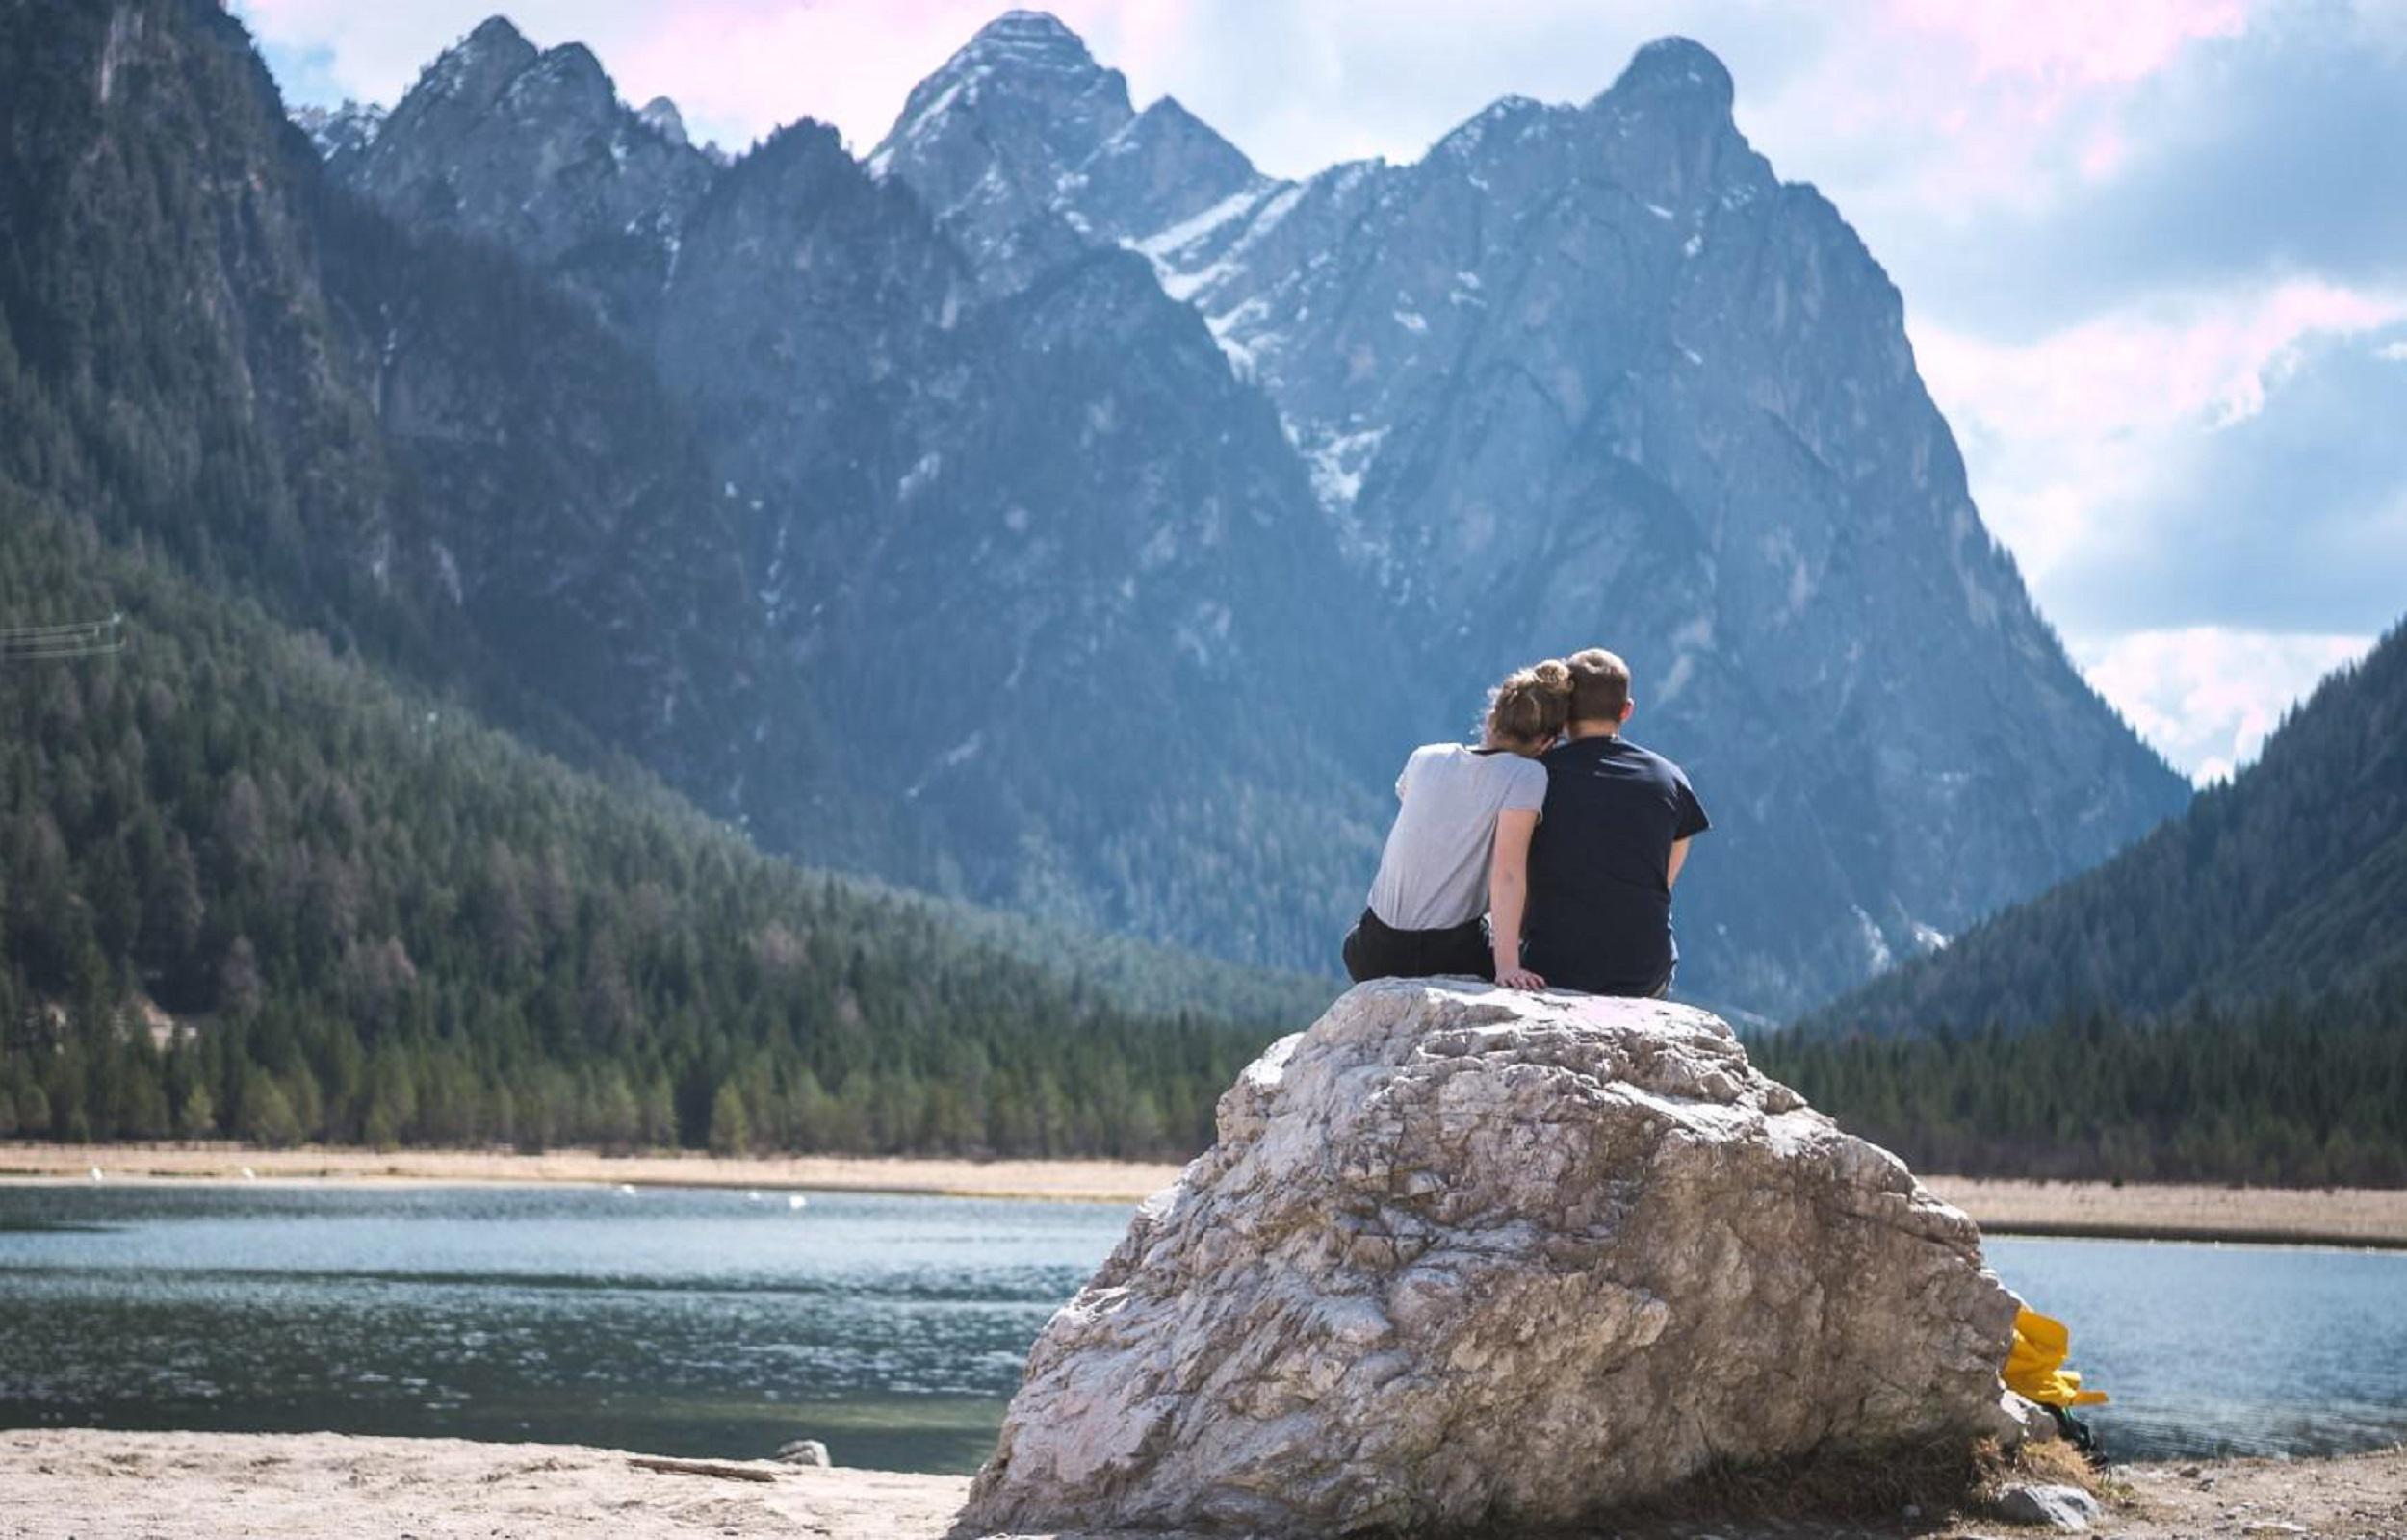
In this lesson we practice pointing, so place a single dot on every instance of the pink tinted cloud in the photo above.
(1949, 110)
(2071, 43)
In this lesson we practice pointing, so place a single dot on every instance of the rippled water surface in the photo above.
(2226, 1350)
(706, 1322)
(676, 1320)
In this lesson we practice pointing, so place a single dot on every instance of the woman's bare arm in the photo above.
(1507, 894)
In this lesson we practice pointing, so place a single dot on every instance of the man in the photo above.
(1619, 819)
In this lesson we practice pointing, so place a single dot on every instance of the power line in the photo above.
(37, 644)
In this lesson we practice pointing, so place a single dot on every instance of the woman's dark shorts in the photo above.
(1375, 949)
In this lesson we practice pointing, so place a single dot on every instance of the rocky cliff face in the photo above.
(1469, 1259)
(1043, 543)
(532, 148)
(1349, 449)
(995, 524)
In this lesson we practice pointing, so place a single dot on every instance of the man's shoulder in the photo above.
(1652, 759)
(1579, 754)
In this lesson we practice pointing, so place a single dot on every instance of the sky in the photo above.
(2154, 252)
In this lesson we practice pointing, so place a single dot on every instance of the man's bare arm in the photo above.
(1679, 858)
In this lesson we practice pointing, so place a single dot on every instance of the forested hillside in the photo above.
(2290, 880)
(250, 888)
(2227, 1000)
(2305, 1093)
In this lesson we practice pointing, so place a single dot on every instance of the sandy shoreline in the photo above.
(98, 1484)
(2358, 1216)
(2345, 1215)
(1067, 1181)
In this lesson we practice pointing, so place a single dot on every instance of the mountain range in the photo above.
(1048, 508)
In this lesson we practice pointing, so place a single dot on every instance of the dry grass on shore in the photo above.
(2331, 1217)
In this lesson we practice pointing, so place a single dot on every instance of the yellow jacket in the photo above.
(2034, 1366)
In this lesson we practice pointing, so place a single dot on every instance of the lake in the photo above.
(698, 1322)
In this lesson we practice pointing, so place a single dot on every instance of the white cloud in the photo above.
(2206, 695)
(2078, 427)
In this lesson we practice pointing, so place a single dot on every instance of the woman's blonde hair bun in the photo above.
(1532, 704)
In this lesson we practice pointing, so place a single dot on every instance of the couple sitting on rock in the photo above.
(1566, 834)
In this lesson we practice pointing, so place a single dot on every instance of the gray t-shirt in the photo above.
(1434, 873)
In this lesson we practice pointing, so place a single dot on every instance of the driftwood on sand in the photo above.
(721, 1469)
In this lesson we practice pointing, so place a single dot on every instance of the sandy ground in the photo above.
(102, 1485)
(85, 1485)
(2336, 1217)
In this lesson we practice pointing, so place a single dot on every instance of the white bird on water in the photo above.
(795, 1201)
(752, 1197)
(96, 1173)
(626, 1189)
(249, 1175)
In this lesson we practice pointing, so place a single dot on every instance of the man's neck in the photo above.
(1594, 730)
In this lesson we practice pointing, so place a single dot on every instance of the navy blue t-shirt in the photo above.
(1599, 907)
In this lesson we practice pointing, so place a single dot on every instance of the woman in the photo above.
(1460, 844)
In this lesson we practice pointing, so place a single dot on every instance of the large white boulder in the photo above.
(1463, 1256)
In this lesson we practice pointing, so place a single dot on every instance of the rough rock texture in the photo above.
(1464, 1257)
(2015, 1419)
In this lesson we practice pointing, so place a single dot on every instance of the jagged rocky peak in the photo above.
(496, 31)
(1028, 151)
(532, 148)
(1025, 77)
(1029, 40)
(1501, 121)
(662, 117)
(568, 74)
(340, 132)
(1676, 71)
(1165, 166)
(496, 70)
(479, 65)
